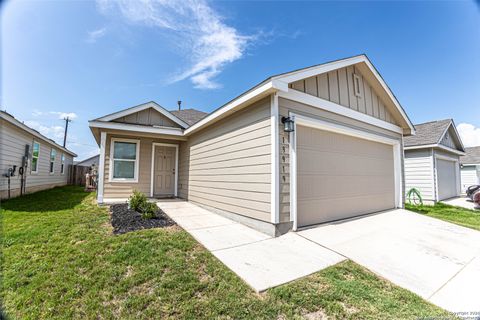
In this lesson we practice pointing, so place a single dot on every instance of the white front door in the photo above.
(164, 171)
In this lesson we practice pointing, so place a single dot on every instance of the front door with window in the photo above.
(164, 173)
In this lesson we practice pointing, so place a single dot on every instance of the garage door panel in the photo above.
(342, 208)
(447, 181)
(334, 142)
(312, 161)
(340, 176)
(316, 186)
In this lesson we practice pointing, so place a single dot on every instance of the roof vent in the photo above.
(179, 102)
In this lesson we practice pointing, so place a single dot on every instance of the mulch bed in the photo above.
(126, 220)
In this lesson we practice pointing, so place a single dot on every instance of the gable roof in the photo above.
(11, 119)
(140, 107)
(430, 134)
(472, 156)
(190, 116)
(280, 82)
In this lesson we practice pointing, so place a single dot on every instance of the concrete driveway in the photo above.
(463, 202)
(437, 260)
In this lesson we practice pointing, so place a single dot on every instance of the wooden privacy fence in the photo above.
(78, 175)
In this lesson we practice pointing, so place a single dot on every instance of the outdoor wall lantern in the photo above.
(288, 124)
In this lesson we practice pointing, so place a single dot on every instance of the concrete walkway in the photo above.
(260, 260)
(437, 260)
(461, 202)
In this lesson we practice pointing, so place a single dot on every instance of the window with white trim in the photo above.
(35, 156)
(62, 166)
(124, 155)
(53, 155)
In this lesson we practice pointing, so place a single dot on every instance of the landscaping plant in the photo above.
(139, 202)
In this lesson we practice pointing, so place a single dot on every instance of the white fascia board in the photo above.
(338, 109)
(136, 128)
(313, 71)
(303, 74)
(142, 107)
(439, 146)
(26, 128)
(264, 89)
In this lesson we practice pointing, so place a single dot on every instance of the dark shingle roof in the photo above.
(472, 155)
(190, 116)
(427, 133)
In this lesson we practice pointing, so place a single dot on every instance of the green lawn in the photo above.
(60, 260)
(458, 215)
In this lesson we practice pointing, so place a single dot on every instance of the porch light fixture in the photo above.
(288, 124)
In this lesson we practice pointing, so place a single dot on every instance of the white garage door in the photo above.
(447, 182)
(340, 176)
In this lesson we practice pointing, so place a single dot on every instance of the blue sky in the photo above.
(91, 58)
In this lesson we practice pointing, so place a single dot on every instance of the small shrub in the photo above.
(148, 210)
(137, 200)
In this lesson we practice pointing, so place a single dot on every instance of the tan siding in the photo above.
(148, 116)
(337, 86)
(122, 190)
(285, 107)
(12, 148)
(228, 165)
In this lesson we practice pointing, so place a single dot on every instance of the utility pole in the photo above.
(67, 120)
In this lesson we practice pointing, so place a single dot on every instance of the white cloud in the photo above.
(52, 132)
(63, 115)
(204, 38)
(469, 134)
(94, 35)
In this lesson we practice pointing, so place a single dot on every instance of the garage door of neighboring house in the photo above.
(469, 177)
(447, 179)
(340, 176)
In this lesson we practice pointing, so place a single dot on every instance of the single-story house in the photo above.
(470, 167)
(313, 145)
(432, 160)
(92, 161)
(44, 163)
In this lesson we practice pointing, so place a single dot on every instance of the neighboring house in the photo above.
(343, 158)
(47, 163)
(432, 160)
(470, 167)
(89, 161)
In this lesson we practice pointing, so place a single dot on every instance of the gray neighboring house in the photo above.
(432, 160)
(89, 161)
(47, 163)
(313, 145)
(470, 167)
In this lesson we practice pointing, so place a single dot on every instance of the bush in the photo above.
(148, 210)
(138, 202)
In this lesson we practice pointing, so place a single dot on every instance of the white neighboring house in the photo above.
(470, 167)
(47, 163)
(89, 161)
(432, 163)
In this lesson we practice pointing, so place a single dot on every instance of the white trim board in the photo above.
(439, 146)
(323, 104)
(142, 107)
(275, 150)
(341, 129)
(101, 167)
(152, 168)
(136, 128)
(137, 161)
